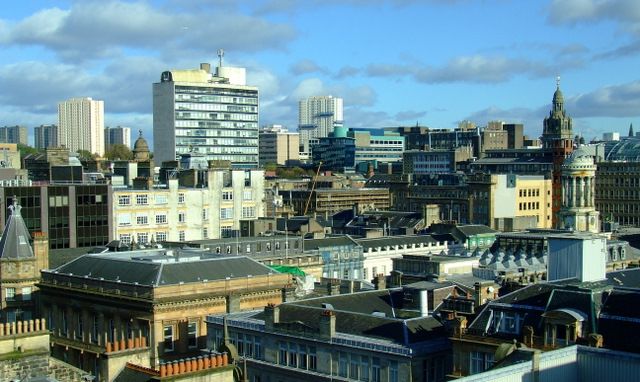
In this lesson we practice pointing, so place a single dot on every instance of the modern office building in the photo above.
(421, 162)
(510, 201)
(211, 114)
(377, 146)
(327, 200)
(14, 134)
(45, 136)
(117, 136)
(71, 216)
(337, 152)
(426, 138)
(81, 125)
(317, 117)
(278, 145)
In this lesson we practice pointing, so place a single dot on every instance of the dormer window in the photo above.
(507, 322)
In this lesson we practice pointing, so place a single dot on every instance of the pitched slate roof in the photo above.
(355, 315)
(14, 243)
(314, 244)
(157, 268)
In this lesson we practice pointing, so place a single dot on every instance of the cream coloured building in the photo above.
(510, 202)
(183, 214)
(278, 145)
(81, 125)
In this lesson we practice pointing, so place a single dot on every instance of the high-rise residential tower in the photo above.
(211, 114)
(45, 136)
(317, 117)
(81, 125)
(117, 136)
(13, 134)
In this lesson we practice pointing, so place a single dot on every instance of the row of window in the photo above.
(529, 206)
(10, 294)
(276, 245)
(365, 368)
(529, 192)
(143, 199)
(78, 326)
(169, 336)
(298, 355)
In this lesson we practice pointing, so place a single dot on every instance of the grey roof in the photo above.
(475, 229)
(338, 241)
(158, 268)
(394, 240)
(14, 243)
(355, 315)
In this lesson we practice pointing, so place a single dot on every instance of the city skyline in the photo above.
(394, 63)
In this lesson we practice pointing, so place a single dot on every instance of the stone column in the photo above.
(573, 191)
(103, 330)
(580, 195)
(593, 192)
(587, 191)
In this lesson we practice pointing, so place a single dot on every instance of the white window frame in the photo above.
(142, 199)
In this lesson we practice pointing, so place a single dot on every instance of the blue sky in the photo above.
(397, 62)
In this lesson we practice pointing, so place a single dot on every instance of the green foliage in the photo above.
(26, 150)
(118, 152)
(86, 155)
(293, 172)
(270, 166)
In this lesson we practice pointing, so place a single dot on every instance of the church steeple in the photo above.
(15, 241)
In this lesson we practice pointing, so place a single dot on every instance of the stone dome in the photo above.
(141, 148)
(581, 158)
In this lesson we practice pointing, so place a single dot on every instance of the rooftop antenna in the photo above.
(221, 55)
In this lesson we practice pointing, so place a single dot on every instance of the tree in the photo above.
(86, 155)
(118, 152)
(26, 150)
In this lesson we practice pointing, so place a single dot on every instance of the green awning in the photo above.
(288, 269)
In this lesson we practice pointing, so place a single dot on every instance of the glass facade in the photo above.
(219, 122)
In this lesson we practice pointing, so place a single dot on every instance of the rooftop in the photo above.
(162, 267)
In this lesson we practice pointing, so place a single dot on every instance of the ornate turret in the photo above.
(578, 210)
(141, 149)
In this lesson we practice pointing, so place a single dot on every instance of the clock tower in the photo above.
(578, 210)
(557, 140)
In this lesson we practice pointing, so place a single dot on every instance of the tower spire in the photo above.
(220, 56)
(631, 134)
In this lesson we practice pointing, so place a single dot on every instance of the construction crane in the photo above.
(313, 186)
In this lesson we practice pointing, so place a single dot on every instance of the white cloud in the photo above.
(470, 69)
(611, 101)
(93, 29)
(306, 66)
